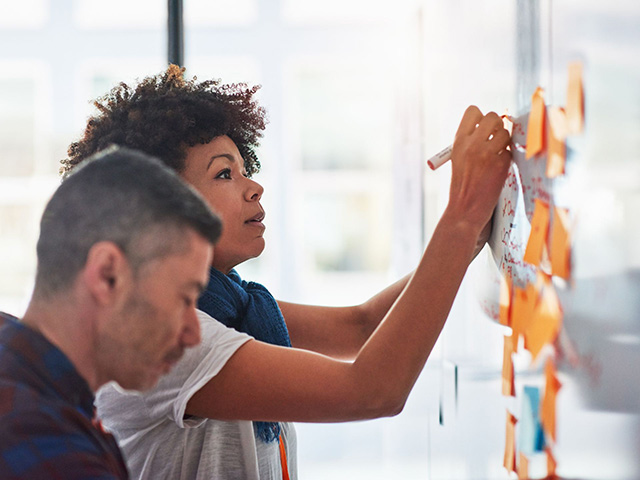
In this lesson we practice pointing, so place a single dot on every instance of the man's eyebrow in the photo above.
(228, 156)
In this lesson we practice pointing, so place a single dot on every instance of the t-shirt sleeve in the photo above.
(170, 397)
(202, 363)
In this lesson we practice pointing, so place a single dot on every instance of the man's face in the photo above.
(157, 318)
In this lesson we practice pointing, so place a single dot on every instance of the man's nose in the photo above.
(191, 334)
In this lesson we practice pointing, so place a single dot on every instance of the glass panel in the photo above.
(17, 248)
(338, 11)
(96, 77)
(199, 13)
(345, 114)
(606, 191)
(120, 14)
(338, 231)
(17, 126)
(23, 13)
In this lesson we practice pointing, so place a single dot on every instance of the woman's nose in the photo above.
(255, 190)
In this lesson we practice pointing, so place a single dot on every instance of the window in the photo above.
(27, 14)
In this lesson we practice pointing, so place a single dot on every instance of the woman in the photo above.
(208, 132)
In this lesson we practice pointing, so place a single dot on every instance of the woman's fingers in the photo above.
(500, 140)
(472, 116)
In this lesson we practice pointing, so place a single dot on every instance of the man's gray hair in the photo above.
(122, 196)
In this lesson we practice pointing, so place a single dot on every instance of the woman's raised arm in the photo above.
(266, 382)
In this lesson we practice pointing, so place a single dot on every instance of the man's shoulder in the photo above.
(40, 435)
(28, 410)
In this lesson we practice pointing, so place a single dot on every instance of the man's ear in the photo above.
(106, 272)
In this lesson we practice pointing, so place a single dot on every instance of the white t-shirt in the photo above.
(159, 443)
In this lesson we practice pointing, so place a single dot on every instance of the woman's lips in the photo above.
(256, 220)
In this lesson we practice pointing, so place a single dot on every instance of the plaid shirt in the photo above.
(47, 425)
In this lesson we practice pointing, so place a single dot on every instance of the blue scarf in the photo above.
(247, 307)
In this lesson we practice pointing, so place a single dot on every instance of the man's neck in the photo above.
(70, 329)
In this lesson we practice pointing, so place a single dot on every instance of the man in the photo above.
(123, 254)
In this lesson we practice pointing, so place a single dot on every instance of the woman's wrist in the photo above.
(463, 222)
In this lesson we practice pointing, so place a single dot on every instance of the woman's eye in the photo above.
(225, 174)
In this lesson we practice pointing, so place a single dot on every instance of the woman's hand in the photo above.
(480, 163)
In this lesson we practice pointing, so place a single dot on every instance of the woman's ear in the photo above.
(106, 272)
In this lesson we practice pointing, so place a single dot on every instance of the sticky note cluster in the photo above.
(534, 311)
(548, 127)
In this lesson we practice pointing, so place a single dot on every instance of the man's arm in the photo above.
(266, 382)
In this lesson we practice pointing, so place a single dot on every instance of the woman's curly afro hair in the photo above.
(165, 114)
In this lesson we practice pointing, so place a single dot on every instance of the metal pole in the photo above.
(528, 53)
(176, 33)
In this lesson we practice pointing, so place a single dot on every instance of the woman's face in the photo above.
(216, 170)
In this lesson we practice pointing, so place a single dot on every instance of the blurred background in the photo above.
(359, 93)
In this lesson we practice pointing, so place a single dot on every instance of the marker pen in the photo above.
(440, 158)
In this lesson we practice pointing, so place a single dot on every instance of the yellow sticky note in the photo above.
(556, 148)
(505, 301)
(508, 381)
(545, 324)
(575, 99)
(536, 124)
(510, 444)
(560, 244)
(548, 407)
(538, 235)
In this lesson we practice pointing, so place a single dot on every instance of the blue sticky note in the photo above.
(531, 436)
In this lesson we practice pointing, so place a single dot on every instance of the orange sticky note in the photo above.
(556, 135)
(551, 463)
(505, 301)
(543, 280)
(548, 411)
(546, 322)
(510, 444)
(575, 99)
(536, 124)
(523, 467)
(538, 235)
(524, 303)
(560, 244)
(508, 381)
